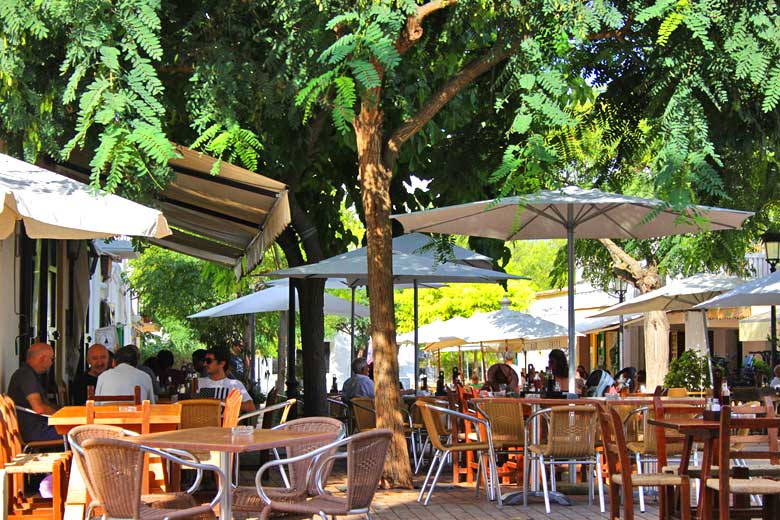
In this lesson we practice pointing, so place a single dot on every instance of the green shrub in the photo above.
(689, 371)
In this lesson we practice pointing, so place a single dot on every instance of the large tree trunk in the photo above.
(656, 348)
(375, 188)
(314, 361)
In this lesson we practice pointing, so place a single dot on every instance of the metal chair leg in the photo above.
(435, 480)
(641, 488)
(600, 482)
(434, 459)
(422, 454)
(526, 477)
(480, 461)
(544, 484)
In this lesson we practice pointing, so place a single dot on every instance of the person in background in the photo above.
(775, 382)
(216, 361)
(559, 368)
(580, 378)
(97, 360)
(144, 368)
(26, 389)
(168, 376)
(474, 385)
(122, 379)
(503, 373)
(641, 381)
(359, 385)
(198, 364)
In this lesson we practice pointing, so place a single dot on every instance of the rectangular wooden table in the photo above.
(214, 438)
(164, 417)
(694, 430)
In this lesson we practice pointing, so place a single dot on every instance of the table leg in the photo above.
(226, 503)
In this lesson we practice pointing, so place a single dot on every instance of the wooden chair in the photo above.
(738, 480)
(571, 439)
(197, 413)
(115, 469)
(17, 463)
(232, 409)
(365, 454)
(619, 469)
(135, 398)
(129, 415)
(298, 486)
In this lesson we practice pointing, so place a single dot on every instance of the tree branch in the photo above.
(644, 278)
(449, 90)
(414, 30)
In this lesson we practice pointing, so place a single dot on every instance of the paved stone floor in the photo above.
(458, 501)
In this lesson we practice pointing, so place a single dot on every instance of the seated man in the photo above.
(216, 362)
(503, 374)
(359, 385)
(26, 389)
(97, 359)
(122, 379)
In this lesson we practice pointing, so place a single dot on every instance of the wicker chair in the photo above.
(365, 454)
(507, 423)
(618, 460)
(298, 486)
(365, 420)
(419, 425)
(263, 418)
(115, 469)
(134, 398)
(435, 433)
(78, 435)
(197, 413)
(571, 439)
(16, 463)
(740, 480)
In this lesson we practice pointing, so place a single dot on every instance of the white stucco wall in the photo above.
(9, 323)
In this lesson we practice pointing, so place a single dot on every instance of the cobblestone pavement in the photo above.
(459, 501)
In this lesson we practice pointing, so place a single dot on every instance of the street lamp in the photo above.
(618, 287)
(772, 249)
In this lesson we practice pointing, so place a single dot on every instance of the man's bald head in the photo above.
(97, 358)
(40, 357)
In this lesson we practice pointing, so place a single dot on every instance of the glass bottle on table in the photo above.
(725, 394)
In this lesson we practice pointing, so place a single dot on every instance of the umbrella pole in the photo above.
(352, 331)
(416, 341)
(482, 352)
(570, 296)
(438, 360)
(292, 383)
(460, 361)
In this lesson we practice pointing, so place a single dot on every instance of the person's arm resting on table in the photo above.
(38, 405)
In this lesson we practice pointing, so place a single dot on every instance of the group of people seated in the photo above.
(112, 374)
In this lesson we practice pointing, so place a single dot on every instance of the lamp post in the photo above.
(618, 287)
(772, 249)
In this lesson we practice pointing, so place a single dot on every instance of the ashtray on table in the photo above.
(241, 431)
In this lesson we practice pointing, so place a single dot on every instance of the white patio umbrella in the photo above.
(760, 291)
(682, 295)
(570, 213)
(274, 299)
(54, 206)
(756, 328)
(410, 269)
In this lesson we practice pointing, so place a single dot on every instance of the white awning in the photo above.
(54, 206)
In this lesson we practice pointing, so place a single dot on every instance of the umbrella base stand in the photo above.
(515, 498)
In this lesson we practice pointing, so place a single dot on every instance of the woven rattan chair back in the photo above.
(197, 413)
(439, 418)
(135, 397)
(364, 414)
(80, 434)
(232, 409)
(433, 422)
(115, 469)
(366, 453)
(505, 415)
(299, 471)
(140, 415)
(677, 392)
(572, 431)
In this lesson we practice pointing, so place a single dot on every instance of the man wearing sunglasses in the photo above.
(216, 364)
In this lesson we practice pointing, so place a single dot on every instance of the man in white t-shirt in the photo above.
(216, 363)
(123, 379)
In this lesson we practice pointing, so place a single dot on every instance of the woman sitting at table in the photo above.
(559, 368)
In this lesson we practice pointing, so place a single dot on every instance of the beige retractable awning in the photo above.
(221, 218)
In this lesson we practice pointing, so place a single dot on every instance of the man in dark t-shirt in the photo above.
(97, 358)
(26, 389)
